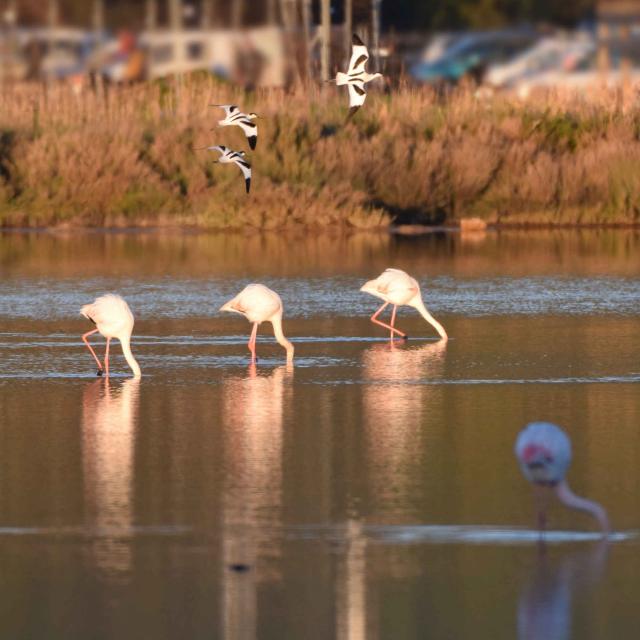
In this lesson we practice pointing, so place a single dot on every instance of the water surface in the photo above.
(369, 491)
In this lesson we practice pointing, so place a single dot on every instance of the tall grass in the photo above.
(126, 157)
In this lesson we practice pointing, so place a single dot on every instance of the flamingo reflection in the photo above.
(351, 591)
(395, 403)
(253, 416)
(544, 608)
(109, 416)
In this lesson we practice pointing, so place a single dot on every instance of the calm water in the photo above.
(370, 491)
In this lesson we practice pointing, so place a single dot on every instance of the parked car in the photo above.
(472, 54)
(552, 53)
(581, 76)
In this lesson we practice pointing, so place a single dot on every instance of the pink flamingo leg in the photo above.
(106, 358)
(374, 318)
(541, 499)
(393, 319)
(93, 353)
(252, 342)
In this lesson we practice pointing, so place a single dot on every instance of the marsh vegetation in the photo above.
(126, 158)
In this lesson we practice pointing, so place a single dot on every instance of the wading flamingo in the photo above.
(257, 304)
(113, 319)
(543, 451)
(398, 288)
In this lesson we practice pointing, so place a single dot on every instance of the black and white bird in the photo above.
(228, 156)
(235, 117)
(356, 76)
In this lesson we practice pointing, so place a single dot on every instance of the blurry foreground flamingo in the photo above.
(544, 453)
(113, 319)
(257, 304)
(398, 288)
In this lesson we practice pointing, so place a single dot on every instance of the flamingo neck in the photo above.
(571, 500)
(131, 361)
(422, 310)
(280, 337)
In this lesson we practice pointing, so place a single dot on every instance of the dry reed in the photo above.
(126, 158)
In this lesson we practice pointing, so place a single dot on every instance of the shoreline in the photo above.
(406, 230)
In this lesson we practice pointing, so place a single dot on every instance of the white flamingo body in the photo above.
(258, 304)
(113, 319)
(236, 118)
(543, 451)
(398, 288)
(356, 76)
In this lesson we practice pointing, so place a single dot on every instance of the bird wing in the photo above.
(110, 313)
(357, 96)
(219, 148)
(245, 167)
(359, 56)
(395, 280)
(229, 109)
(250, 130)
(256, 302)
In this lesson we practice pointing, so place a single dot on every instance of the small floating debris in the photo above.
(239, 567)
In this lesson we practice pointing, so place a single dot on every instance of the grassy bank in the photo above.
(127, 158)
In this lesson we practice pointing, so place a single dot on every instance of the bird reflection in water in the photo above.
(109, 419)
(545, 607)
(396, 403)
(351, 589)
(253, 417)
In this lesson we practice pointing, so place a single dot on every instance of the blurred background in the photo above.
(508, 45)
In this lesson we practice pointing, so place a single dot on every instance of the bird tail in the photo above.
(342, 78)
(370, 287)
(86, 311)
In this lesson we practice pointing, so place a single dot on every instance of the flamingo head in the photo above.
(538, 464)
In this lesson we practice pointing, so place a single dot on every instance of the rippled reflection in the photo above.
(253, 409)
(109, 416)
(396, 403)
(545, 604)
(351, 586)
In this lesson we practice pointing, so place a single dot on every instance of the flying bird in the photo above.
(543, 451)
(356, 76)
(398, 288)
(113, 319)
(228, 156)
(235, 117)
(257, 304)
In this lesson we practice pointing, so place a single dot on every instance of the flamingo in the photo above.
(257, 304)
(543, 451)
(398, 288)
(113, 319)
